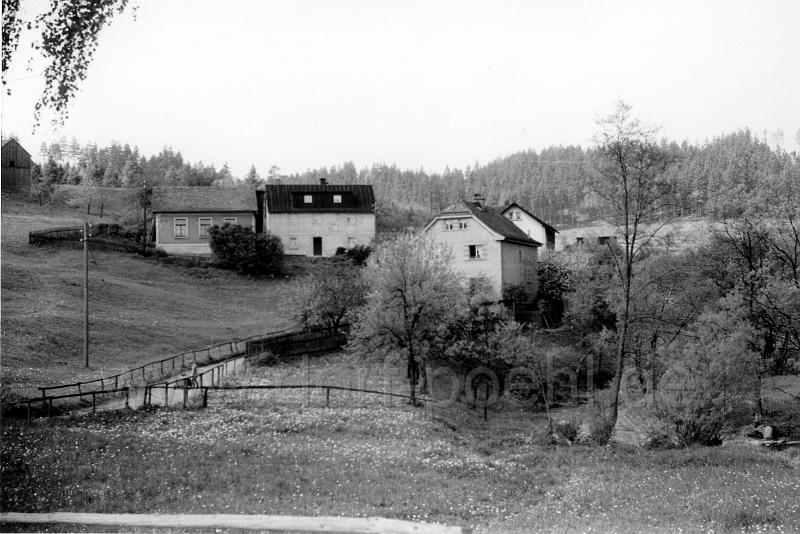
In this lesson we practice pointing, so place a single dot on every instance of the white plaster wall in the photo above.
(488, 266)
(334, 228)
(519, 266)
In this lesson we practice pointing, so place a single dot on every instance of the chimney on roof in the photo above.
(323, 181)
(478, 200)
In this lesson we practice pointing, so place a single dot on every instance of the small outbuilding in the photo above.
(16, 169)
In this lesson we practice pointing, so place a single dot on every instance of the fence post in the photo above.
(43, 394)
(144, 398)
(185, 396)
(29, 412)
(116, 381)
(162, 366)
(127, 398)
(327, 397)
(80, 393)
(205, 397)
(94, 402)
(166, 394)
(49, 407)
(102, 384)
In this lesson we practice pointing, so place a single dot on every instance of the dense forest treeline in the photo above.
(715, 179)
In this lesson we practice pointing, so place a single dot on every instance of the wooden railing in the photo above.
(169, 364)
(47, 402)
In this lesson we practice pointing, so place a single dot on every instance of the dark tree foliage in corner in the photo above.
(240, 248)
(68, 40)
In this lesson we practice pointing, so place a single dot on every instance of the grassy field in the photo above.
(286, 453)
(140, 310)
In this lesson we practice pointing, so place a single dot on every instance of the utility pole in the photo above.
(144, 218)
(86, 291)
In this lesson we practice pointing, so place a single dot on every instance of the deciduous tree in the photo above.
(413, 290)
(628, 168)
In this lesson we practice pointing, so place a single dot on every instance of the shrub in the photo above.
(238, 247)
(358, 254)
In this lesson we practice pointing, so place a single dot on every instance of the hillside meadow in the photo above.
(140, 310)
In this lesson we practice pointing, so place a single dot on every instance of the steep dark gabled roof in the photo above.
(358, 198)
(515, 205)
(6, 140)
(196, 199)
(494, 220)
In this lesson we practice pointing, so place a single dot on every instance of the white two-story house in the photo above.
(486, 244)
(316, 219)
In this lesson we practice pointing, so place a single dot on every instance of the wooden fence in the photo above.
(154, 370)
(281, 343)
(103, 237)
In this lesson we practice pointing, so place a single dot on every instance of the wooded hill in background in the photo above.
(721, 178)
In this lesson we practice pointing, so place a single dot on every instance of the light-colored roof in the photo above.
(196, 199)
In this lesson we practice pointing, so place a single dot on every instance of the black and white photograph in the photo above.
(400, 266)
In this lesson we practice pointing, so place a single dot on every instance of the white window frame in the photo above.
(293, 219)
(227, 220)
(200, 227)
(293, 243)
(308, 199)
(450, 225)
(316, 219)
(337, 199)
(463, 225)
(185, 226)
(479, 252)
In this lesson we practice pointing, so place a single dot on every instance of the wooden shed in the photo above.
(16, 171)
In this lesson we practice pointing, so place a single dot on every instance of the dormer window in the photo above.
(307, 199)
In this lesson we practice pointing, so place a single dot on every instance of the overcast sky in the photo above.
(302, 84)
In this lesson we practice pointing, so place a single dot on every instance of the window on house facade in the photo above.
(463, 225)
(337, 199)
(205, 226)
(475, 252)
(350, 219)
(307, 199)
(233, 221)
(351, 242)
(180, 228)
(317, 219)
(520, 256)
(450, 225)
(293, 243)
(293, 219)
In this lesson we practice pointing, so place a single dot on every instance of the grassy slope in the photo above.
(140, 310)
(269, 454)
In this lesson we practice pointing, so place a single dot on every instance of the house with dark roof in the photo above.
(16, 168)
(316, 219)
(486, 244)
(533, 226)
(184, 215)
